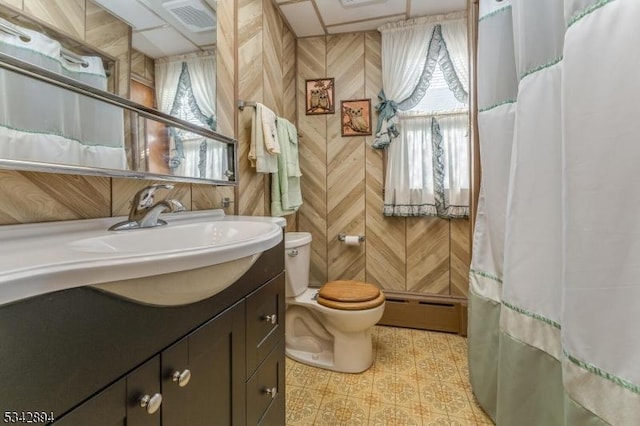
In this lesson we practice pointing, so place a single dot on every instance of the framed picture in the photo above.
(319, 96)
(356, 117)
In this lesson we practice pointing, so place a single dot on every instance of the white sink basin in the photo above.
(212, 249)
(171, 238)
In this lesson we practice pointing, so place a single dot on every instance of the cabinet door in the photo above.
(265, 321)
(214, 392)
(143, 384)
(105, 409)
(121, 404)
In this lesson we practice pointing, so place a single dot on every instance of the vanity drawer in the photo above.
(265, 390)
(265, 321)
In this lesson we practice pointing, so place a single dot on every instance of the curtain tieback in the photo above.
(386, 129)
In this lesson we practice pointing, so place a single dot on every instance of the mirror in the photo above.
(165, 131)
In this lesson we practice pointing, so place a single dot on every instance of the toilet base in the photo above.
(354, 353)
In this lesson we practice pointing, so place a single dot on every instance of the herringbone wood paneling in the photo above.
(386, 246)
(345, 161)
(250, 70)
(460, 256)
(204, 197)
(43, 197)
(428, 255)
(225, 68)
(65, 15)
(312, 217)
(289, 74)
(273, 82)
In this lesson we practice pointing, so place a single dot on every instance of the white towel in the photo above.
(264, 146)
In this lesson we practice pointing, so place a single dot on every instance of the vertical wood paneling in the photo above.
(428, 255)
(225, 68)
(272, 58)
(65, 15)
(312, 217)
(289, 75)
(108, 33)
(345, 161)
(460, 257)
(250, 73)
(42, 197)
(385, 246)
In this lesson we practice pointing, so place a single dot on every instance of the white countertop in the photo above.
(40, 258)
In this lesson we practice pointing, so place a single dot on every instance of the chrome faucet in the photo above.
(145, 211)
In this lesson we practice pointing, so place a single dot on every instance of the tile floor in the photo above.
(418, 378)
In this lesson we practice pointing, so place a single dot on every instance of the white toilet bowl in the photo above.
(326, 337)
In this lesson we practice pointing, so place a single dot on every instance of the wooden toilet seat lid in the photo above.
(350, 295)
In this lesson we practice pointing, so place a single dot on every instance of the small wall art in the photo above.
(320, 96)
(356, 117)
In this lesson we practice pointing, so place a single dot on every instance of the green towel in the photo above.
(286, 196)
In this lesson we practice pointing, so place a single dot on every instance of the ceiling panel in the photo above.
(319, 17)
(333, 12)
(161, 42)
(434, 7)
(303, 19)
(132, 12)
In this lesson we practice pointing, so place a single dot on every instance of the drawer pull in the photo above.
(270, 391)
(181, 378)
(270, 318)
(293, 253)
(151, 403)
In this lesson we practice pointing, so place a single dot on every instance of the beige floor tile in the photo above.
(383, 415)
(302, 405)
(418, 378)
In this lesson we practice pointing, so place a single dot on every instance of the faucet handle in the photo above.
(145, 197)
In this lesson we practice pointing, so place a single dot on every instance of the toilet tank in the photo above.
(297, 257)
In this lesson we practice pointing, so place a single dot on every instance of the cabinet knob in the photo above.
(270, 391)
(273, 318)
(181, 377)
(151, 403)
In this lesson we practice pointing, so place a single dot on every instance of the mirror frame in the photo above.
(16, 65)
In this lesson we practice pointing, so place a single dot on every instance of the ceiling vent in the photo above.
(192, 14)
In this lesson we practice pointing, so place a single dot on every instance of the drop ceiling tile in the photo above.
(435, 7)
(369, 25)
(303, 19)
(132, 12)
(333, 13)
(161, 42)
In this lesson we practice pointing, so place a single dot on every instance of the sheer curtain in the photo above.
(423, 118)
(554, 288)
(186, 88)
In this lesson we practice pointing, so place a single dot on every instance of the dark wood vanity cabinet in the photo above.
(227, 369)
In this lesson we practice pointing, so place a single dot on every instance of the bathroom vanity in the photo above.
(85, 356)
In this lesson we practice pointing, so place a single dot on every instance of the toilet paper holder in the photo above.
(342, 237)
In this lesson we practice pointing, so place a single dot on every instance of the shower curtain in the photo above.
(555, 285)
(43, 122)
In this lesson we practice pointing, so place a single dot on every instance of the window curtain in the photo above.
(186, 88)
(423, 175)
(554, 288)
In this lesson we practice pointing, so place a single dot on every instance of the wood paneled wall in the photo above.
(266, 74)
(342, 187)
(27, 197)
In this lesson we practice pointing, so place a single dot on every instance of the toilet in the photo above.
(328, 327)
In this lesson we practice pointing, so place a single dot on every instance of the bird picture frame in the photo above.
(320, 98)
(356, 117)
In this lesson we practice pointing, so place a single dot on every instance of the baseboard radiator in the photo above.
(425, 312)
